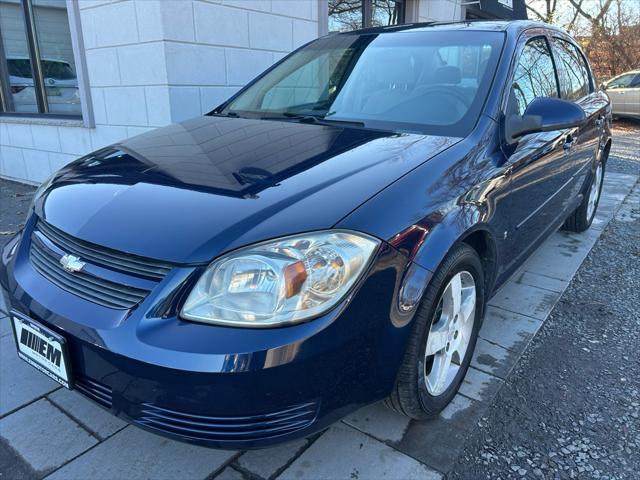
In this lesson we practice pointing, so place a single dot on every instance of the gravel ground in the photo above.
(12, 218)
(626, 147)
(571, 408)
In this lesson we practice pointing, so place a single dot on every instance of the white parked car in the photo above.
(60, 84)
(624, 92)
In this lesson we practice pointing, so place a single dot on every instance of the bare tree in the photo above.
(608, 30)
(345, 14)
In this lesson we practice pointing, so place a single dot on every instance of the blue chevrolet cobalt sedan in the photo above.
(325, 239)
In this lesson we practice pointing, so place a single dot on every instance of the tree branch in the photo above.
(540, 16)
(579, 9)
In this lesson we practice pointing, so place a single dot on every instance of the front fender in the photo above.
(457, 226)
(445, 200)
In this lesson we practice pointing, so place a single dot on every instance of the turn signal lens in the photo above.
(280, 282)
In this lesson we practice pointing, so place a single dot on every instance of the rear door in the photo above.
(577, 85)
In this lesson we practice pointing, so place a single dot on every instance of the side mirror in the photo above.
(603, 86)
(544, 114)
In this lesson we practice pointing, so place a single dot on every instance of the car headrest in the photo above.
(396, 73)
(447, 74)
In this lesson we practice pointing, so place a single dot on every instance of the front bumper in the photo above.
(219, 386)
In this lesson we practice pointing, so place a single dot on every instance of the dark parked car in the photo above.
(325, 239)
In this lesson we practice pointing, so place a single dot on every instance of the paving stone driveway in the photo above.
(58, 434)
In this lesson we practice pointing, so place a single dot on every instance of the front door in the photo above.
(541, 164)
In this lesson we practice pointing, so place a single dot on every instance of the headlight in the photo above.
(41, 189)
(280, 282)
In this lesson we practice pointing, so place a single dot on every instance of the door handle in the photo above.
(568, 142)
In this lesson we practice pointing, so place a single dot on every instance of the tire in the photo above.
(413, 395)
(582, 217)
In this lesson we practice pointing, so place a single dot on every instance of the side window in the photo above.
(635, 82)
(573, 73)
(534, 75)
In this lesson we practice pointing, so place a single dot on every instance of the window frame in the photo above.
(77, 45)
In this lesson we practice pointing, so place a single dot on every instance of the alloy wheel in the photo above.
(450, 333)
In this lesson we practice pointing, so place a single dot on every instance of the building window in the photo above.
(346, 15)
(37, 66)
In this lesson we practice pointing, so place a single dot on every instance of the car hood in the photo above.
(190, 191)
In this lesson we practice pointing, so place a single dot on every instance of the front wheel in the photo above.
(443, 338)
(582, 217)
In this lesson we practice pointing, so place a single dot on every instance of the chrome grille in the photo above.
(107, 257)
(84, 285)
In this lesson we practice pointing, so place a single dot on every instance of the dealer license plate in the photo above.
(42, 348)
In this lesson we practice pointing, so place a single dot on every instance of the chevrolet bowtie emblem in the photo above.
(71, 263)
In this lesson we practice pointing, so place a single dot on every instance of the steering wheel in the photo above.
(436, 89)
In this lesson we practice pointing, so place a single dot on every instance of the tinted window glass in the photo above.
(535, 75)
(57, 70)
(430, 82)
(22, 68)
(636, 82)
(19, 68)
(574, 77)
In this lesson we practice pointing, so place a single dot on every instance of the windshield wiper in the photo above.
(226, 114)
(314, 119)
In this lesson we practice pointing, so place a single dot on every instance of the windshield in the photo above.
(429, 82)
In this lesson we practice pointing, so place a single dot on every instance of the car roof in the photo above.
(471, 25)
(45, 59)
